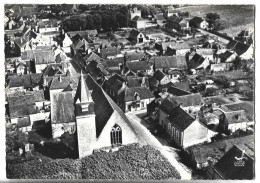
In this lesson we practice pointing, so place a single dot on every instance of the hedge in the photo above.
(129, 162)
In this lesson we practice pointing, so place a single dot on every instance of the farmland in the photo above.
(129, 162)
(233, 17)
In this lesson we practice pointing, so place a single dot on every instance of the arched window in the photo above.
(116, 135)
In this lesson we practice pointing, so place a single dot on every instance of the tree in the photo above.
(122, 20)
(15, 139)
(211, 18)
(173, 22)
(217, 25)
(89, 24)
(97, 22)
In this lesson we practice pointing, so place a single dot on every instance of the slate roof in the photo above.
(158, 75)
(62, 108)
(226, 169)
(192, 99)
(134, 32)
(22, 111)
(44, 57)
(143, 92)
(52, 69)
(137, 18)
(168, 105)
(27, 55)
(63, 83)
(196, 61)
(92, 56)
(78, 44)
(20, 42)
(170, 52)
(23, 100)
(168, 62)
(164, 45)
(239, 47)
(114, 82)
(177, 91)
(180, 119)
(137, 66)
(226, 55)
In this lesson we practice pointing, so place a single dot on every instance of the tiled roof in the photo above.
(236, 117)
(137, 65)
(38, 95)
(22, 111)
(193, 99)
(143, 92)
(27, 80)
(168, 62)
(52, 69)
(226, 168)
(114, 82)
(226, 55)
(92, 56)
(170, 52)
(217, 149)
(113, 62)
(247, 107)
(238, 47)
(134, 32)
(109, 52)
(20, 42)
(184, 85)
(62, 82)
(134, 56)
(44, 57)
(62, 108)
(24, 100)
(159, 17)
(136, 81)
(180, 119)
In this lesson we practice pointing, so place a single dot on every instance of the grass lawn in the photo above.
(234, 17)
(129, 162)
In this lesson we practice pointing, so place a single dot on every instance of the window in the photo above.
(177, 134)
(169, 127)
(142, 104)
(116, 135)
(172, 134)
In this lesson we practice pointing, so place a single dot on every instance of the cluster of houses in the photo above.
(80, 83)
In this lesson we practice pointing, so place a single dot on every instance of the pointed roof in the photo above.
(84, 94)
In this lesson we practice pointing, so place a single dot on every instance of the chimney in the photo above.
(21, 40)
(60, 79)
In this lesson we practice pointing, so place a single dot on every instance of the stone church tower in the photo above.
(85, 119)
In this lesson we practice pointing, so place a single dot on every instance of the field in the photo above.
(129, 162)
(234, 17)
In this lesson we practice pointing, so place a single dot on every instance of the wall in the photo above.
(140, 24)
(128, 136)
(194, 134)
(60, 128)
(40, 67)
(86, 132)
(165, 80)
(49, 29)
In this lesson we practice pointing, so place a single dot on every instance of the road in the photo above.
(168, 152)
(221, 39)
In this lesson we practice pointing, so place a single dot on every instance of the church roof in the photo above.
(83, 92)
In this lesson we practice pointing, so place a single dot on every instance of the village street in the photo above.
(148, 139)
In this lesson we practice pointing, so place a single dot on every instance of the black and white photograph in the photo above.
(124, 91)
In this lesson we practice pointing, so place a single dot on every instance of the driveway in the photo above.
(168, 152)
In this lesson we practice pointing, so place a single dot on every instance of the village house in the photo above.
(184, 129)
(184, 24)
(160, 20)
(24, 82)
(42, 59)
(138, 22)
(163, 46)
(66, 43)
(137, 36)
(139, 67)
(199, 23)
(244, 51)
(197, 63)
(168, 63)
(230, 166)
(110, 53)
(47, 26)
(21, 68)
(161, 77)
(114, 64)
(207, 155)
(134, 56)
(135, 12)
(59, 83)
(135, 98)
(190, 102)
(171, 12)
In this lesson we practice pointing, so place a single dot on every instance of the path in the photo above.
(168, 152)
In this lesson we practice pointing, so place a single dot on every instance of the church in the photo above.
(95, 117)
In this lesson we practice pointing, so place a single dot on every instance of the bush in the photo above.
(129, 162)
